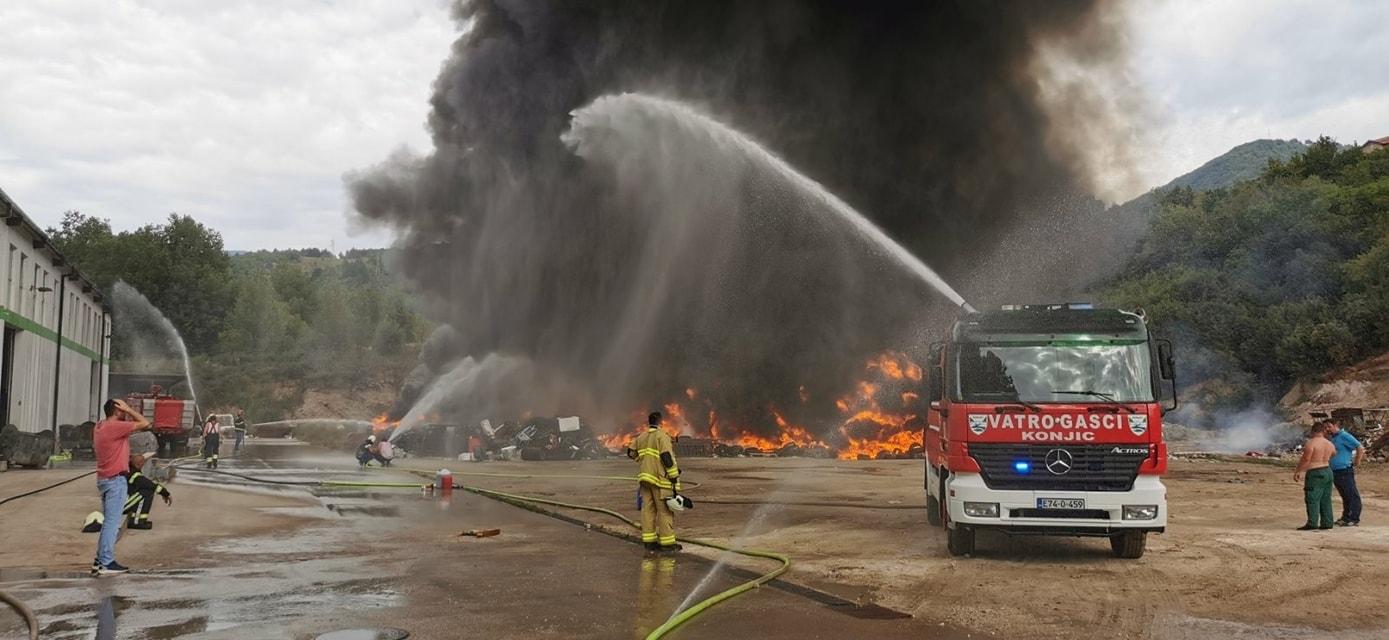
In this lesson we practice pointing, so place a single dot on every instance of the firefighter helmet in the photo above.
(678, 502)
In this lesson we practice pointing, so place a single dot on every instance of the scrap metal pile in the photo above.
(566, 438)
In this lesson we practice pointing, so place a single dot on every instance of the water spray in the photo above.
(615, 107)
(133, 305)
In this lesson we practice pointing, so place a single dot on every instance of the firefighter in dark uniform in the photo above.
(658, 478)
(141, 490)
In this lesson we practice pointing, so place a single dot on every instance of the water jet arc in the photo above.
(615, 107)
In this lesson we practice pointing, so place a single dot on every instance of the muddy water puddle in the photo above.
(250, 586)
(165, 605)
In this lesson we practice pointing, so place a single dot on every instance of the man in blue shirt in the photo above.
(1349, 451)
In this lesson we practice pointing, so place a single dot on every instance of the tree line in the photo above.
(1272, 280)
(262, 326)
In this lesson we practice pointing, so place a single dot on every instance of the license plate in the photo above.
(1060, 503)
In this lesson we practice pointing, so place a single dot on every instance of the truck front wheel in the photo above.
(1129, 545)
(960, 540)
(932, 511)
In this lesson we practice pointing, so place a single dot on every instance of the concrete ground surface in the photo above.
(236, 560)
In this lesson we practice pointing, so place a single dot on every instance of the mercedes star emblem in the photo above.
(1059, 461)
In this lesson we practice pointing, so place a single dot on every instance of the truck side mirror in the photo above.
(1167, 367)
(1167, 364)
(935, 378)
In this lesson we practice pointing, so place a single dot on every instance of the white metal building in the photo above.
(45, 302)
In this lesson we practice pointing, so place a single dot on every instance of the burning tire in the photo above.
(1129, 545)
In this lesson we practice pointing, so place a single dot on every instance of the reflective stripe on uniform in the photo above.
(667, 541)
(648, 537)
(654, 480)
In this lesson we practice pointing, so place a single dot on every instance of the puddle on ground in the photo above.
(250, 596)
(256, 586)
(269, 582)
(375, 511)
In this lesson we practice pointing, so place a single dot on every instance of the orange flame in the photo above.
(876, 416)
(383, 423)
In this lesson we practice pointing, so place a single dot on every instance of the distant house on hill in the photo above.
(1372, 146)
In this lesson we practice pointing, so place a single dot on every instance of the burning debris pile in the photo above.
(880, 418)
(532, 438)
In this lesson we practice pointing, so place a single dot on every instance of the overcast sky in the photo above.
(247, 114)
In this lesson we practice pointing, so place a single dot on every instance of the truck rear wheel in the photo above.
(1129, 545)
(960, 541)
(933, 511)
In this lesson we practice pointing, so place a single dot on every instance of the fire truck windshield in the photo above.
(1056, 371)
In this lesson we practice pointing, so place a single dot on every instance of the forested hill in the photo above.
(1244, 162)
(262, 326)
(1272, 279)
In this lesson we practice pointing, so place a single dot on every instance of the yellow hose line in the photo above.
(683, 616)
(699, 607)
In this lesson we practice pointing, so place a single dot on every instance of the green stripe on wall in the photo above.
(41, 331)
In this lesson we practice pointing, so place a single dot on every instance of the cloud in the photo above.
(245, 115)
(1225, 72)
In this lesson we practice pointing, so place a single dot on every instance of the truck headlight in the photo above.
(1140, 512)
(981, 509)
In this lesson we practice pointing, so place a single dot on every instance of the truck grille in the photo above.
(1093, 467)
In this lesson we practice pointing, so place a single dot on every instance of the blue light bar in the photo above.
(1022, 467)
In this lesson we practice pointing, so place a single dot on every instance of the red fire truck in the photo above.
(1047, 420)
(175, 420)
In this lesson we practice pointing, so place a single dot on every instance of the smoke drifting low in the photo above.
(633, 258)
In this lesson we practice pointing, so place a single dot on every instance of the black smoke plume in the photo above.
(648, 260)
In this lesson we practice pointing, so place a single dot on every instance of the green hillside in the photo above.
(1272, 279)
(1245, 162)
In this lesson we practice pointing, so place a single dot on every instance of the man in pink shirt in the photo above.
(111, 441)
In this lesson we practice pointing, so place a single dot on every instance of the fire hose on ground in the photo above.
(530, 502)
(680, 617)
(526, 502)
(24, 612)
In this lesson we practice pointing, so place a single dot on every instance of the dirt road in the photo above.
(286, 563)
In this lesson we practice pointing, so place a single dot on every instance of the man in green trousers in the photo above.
(1316, 465)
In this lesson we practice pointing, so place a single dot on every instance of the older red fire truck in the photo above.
(1047, 420)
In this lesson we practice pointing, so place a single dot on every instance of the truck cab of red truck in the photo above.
(1047, 420)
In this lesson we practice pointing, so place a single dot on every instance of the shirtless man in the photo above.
(1316, 464)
